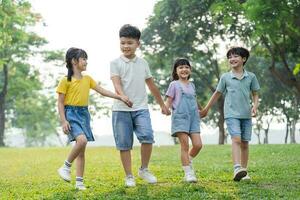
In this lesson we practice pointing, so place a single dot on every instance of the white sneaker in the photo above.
(129, 181)
(65, 173)
(239, 174)
(246, 178)
(190, 177)
(80, 186)
(147, 175)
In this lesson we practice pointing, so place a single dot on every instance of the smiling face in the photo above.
(236, 61)
(183, 72)
(128, 46)
(80, 64)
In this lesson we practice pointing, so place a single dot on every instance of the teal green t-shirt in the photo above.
(237, 94)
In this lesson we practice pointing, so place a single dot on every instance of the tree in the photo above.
(187, 29)
(276, 26)
(21, 102)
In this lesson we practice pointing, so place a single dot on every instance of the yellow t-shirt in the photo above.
(77, 90)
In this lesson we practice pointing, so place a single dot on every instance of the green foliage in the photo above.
(25, 106)
(31, 174)
(296, 69)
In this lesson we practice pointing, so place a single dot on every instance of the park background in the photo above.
(34, 36)
(201, 31)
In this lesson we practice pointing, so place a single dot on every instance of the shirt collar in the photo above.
(127, 60)
(245, 74)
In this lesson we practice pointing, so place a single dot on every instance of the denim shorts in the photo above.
(124, 123)
(185, 122)
(239, 128)
(79, 120)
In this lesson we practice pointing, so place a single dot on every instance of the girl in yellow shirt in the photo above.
(73, 95)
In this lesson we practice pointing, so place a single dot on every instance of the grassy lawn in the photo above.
(31, 174)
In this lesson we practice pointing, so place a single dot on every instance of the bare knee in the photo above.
(236, 140)
(197, 146)
(185, 147)
(244, 145)
(81, 141)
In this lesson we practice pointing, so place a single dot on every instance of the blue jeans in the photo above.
(239, 128)
(124, 123)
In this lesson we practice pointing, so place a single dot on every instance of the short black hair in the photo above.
(241, 51)
(130, 31)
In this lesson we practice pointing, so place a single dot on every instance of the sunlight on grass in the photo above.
(31, 174)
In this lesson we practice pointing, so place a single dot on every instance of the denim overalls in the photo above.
(185, 118)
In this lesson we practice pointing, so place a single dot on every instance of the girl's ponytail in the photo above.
(70, 71)
(73, 53)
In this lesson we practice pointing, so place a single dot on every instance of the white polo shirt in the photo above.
(133, 73)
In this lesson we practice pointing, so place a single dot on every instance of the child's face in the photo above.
(183, 72)
(236, 60)
(81, 64)
(128, 46)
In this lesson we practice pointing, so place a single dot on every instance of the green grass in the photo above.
(30, 173)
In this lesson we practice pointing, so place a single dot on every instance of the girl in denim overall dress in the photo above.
(181, 98)
(73, 95)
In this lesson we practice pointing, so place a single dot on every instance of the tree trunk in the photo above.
(258, 136)
(2, 104)
(292, 132)
(286, 133)
(266, 140)
(221, 121)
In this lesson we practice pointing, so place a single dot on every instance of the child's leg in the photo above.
(236, 150)
(80, 161)
(126, 161)
(244, 153)
(80, 145)
(196, 144)
(184, 143)
(187, 168)
(146, 150)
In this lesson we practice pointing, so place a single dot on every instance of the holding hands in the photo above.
(165, 110)
(126, 100)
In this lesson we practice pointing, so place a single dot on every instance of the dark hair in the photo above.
(130, 31)
(244, 53)
(178, 62)
(73, 53)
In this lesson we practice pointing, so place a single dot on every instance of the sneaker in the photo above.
(239, 174)
(190, 177)
(65, 173)
(246, 178)
(147, 175)
(129, 181)
(80, 186)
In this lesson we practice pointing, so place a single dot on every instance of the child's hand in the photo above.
(126, 100)
(165, 110)
(66, 127)
(254, 111)
(203, 112)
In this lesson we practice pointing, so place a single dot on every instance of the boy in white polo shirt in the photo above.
(129, 75)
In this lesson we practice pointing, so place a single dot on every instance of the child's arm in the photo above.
(110, 94)
(211, 102)
(117, 85)
(255, 103)
(61, 110)
(155, 92)
(169, 102)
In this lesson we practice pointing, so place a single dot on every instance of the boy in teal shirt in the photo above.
(237, 86)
